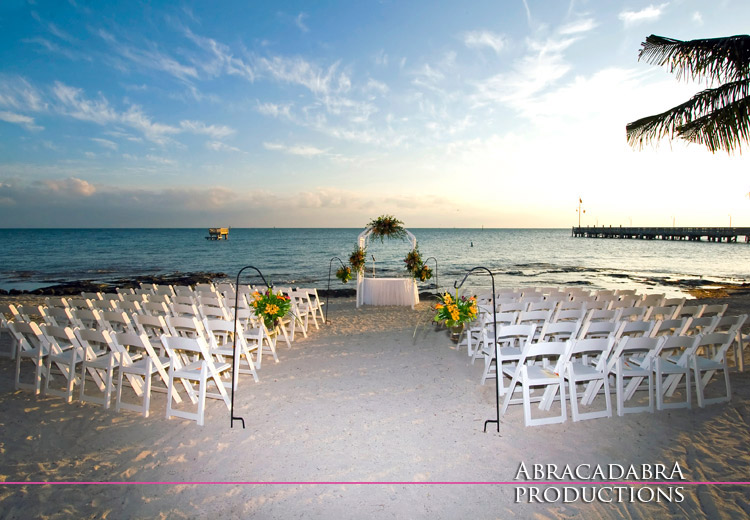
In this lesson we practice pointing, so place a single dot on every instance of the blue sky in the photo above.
(307, 114)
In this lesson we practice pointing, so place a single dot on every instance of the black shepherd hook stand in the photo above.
(437, 284)
(328, 292)
(234, 338)
(498, 375)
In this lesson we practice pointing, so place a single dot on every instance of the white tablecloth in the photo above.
(389, 291)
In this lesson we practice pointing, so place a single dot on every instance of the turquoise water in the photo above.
(31, 258)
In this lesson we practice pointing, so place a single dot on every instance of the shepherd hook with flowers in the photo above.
(455, 311)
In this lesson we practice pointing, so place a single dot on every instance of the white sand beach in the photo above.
(379, 395)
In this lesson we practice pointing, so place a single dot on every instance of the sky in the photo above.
(328, 114)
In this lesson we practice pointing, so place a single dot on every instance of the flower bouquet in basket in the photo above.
(357, 259)
(344, 274)
(387, 226)
(455, 311)
(270, 306)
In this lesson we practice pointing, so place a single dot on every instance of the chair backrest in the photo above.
(156, 308)
(9, 312)
(550, 354)
(88, 318)
(160, 298)
(129, 306)
(591, 351)
(97, 342)
(58, 316)
(179, 309)
(56, 302)
(719, 342)
(574, 315)
(624, 302)
(512, 306)
(680, 348)
(703, 325)
(559, 331)
(185, 326)
(662, 313)
(103, 305)
(635, 329)
(80, 303)
(152, 326)
(28, 336)
(60, 338)
(730, 324)
(603, 315)
(629, 345)
(91, 295)
(715, 310)
(182, 299)
(135, 345)
(690, 311)
(598, 329)
(673, 327)
(117, 321)
(651, 300)
(516, 335)
(536, 317)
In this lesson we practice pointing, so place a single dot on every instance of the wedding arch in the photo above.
(385, 291)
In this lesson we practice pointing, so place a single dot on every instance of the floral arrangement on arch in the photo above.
(270, 306)
(455, 311)
(387, 226)
(416, 267)
(344, 274)
(357, 259)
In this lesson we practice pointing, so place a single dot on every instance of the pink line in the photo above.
(368, 483)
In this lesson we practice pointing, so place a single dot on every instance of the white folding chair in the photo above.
(201, 369)
(141, 370)
(540, 364)
(221, 342)
(587, 365)
(32, 345)
(632, 361)
(66, 353)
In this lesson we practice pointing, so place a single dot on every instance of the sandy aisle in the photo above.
(363, 399)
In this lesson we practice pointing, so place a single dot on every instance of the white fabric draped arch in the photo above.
(385, 291)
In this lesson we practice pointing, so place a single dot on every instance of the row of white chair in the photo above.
(630, 354)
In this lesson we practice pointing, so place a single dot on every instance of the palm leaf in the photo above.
(720, 59)
(694, 117)
(722, 129)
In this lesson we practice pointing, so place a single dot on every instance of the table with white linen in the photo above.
(390, 291)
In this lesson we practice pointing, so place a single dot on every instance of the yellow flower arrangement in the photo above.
(270, 306)
(455, 311)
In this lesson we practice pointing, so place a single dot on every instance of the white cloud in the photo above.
(25, 121)
(198, 127)
(579, 26)
(218, 146)
(300, 22)
(18, 94)
(480, 39)
(71, 186)
(698, 18)
(106, 143)
(647, 14)
(303, 150)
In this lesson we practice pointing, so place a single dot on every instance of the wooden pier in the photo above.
(218, 234)
(696, 234)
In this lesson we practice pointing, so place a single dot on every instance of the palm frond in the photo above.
(722, 129)
(678, 120)
(720, 59)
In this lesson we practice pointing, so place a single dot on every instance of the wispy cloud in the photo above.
(303, 150)
(697, 18)
(300, 22)
(218, 146)
(25, 121)
(481, 39)
(106, 143)
(18, 94)
(214, 131)
(647, 14)
(579, 26)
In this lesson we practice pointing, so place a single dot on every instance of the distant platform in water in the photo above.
(218, 233)
(695, 234)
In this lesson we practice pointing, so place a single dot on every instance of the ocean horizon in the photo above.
(33, 258)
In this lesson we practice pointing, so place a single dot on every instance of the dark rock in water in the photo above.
(3, 291)
(337, 293)
(74, 288)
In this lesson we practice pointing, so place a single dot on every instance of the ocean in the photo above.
(33, 258)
